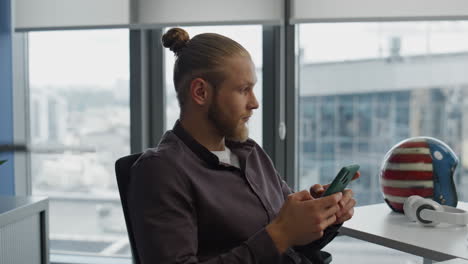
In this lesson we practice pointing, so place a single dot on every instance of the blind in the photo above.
(58, 14)
(172, 12)
(375, 10)
(63, 14)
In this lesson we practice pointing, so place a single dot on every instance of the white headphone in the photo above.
(430, 213)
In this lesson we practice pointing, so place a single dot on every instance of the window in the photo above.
(80, 125)
(367, 86)
(248, 36)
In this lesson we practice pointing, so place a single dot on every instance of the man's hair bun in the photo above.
(175, 39)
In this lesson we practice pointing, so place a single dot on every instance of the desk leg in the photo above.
(427, 261)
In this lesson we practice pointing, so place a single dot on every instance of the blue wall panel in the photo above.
(7, 182)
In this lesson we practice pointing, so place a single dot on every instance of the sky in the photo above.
(350, 41)
(78, 57)
(100, 57)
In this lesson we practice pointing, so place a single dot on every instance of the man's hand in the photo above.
(302, 219)
(346, 204)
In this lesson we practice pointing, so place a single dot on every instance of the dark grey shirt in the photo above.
(187, 207)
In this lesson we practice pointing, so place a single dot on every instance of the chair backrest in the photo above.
(122, 171)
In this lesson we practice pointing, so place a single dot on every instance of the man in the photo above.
(208, 193)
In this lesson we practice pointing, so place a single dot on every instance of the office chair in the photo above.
(122, 171)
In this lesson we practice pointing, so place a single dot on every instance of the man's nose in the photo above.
(253, 103)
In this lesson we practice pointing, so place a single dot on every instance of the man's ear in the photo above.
(199, 91)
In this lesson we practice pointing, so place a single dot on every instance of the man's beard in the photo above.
(230, 129)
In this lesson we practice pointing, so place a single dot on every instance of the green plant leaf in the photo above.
(2, 161)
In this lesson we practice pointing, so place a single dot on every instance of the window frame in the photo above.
(147, 104)
(23, 172)
(147, 94)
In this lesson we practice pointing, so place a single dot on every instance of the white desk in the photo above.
(379, 225)
(24, 234)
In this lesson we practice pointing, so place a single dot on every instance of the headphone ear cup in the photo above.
(408, 207)
(427, 204)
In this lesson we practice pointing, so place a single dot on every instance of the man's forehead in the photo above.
(245, 79)
(243, 71)
(250, 82)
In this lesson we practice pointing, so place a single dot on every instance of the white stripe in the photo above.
(411, 151)
(407, 184)
(417, 140)
(395, 199)
(409, 166)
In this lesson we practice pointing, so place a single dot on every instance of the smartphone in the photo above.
(342, 179)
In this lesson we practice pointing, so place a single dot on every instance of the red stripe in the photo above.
(406, 192)
(422, 144)
(407, 175)
(396, 206)
(410, 158)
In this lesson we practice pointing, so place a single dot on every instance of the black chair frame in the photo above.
(122, 171)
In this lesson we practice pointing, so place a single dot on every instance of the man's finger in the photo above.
(346, 208)
(317, 190)
(356, 176)
(347, 195)
(301, 196)
(350, 204)
(331, 200)
(331, 220)
(345, 217)
(332, 210)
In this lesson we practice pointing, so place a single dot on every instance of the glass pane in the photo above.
(248, 36)
(80, 125)
(363, 87)
(366, 86)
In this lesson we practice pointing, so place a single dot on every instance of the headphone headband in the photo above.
(430, 213)
(450, 215)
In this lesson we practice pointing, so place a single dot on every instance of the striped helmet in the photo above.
(421, 166)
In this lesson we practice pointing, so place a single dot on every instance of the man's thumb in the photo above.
(303, 195)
